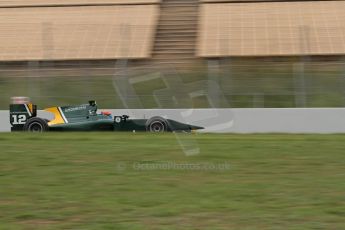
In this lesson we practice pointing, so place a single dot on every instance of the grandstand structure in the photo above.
(76, 30)
(175, 32)
(274, 28)
(96, 37)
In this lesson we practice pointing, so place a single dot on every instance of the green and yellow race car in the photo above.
(23, 117)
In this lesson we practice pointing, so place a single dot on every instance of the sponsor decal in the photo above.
(72, 109)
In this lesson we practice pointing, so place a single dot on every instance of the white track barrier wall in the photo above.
(294, 120)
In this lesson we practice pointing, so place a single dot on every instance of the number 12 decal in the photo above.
(19, 119)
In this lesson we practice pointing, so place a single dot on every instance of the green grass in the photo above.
(88, 181)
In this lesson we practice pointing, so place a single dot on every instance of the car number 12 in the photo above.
(19, 119)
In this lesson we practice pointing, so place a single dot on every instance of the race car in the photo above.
(23, 117)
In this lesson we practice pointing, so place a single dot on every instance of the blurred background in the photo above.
(147, 53)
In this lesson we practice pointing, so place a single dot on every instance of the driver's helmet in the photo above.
(92, 108)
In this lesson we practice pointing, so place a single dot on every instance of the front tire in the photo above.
(36, 125)
(157, 125)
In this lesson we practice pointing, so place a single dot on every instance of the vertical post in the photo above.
(343, 76)
(213, 76)
(299, 84)
(258, 100)
(120, 76)
(227, 73)
(299, 68)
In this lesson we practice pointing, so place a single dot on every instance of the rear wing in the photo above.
(20, 113)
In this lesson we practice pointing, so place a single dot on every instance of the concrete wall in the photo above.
(315, 120)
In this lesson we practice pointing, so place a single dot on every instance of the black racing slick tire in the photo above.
(157, 125)
(36, 124)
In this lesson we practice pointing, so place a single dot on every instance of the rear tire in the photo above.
(157, 125)
(36, 125)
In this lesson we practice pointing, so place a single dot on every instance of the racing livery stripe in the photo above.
(30, 106)
(58, 119)
(63, 115)
(28, 110)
